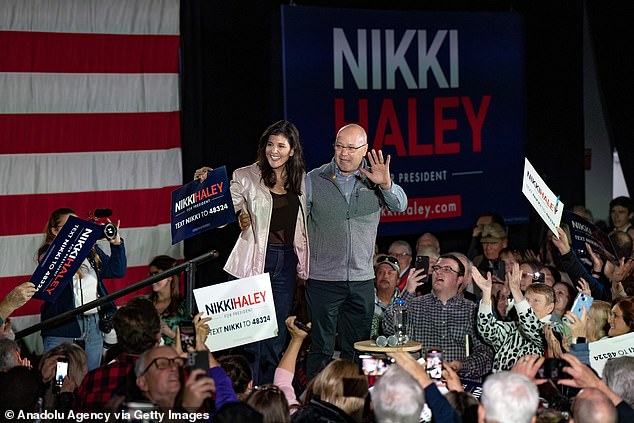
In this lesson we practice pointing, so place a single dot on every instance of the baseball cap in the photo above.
(493, 232)
(392, 261)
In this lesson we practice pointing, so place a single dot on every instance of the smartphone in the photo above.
(582, 300)
(374, 366)
(188, 335)
(301, 325)
(433, 360)
(552, 369)
(198, 360)
(61, 371)
(422, 262)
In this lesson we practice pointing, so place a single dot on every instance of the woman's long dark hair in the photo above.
(164, 263)
(295, 167)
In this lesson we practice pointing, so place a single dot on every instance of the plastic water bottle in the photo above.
(401, 322)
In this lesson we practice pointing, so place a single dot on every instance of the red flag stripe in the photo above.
(139, 207)
(31, 133)
(88, 53)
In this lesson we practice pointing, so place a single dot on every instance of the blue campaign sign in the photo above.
(64, 256)
(580, 232)
(200, 206)
(441, 92)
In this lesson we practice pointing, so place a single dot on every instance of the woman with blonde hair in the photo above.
(338, 394)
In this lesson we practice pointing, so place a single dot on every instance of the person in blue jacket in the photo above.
(87, 286)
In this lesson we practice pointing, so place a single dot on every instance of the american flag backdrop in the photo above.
(89, 118)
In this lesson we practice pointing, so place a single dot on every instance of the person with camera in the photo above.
(512, 340)
(87, 286)
(272, 195)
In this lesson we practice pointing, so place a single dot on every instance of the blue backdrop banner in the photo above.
(442, 93)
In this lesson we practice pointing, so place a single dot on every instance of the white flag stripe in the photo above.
(97, 171)
(88, 93)
(91, 16)
(141, 244)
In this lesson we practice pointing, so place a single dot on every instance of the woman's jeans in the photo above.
(281, 264)
(90, 335)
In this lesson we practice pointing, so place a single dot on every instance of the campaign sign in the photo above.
(442, 93)
(609, 348)
(200, 206)
(542, 198)
(242, 311)
(64, 256)
(580, 231)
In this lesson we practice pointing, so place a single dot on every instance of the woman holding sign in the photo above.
(87, 285)
(273, 193)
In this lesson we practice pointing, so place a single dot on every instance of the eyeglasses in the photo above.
(154, 273)
(339, 147)
(444, 269)
(163, 363)
(400, 254)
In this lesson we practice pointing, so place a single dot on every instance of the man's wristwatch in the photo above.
(579, 340)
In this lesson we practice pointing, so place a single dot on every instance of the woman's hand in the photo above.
(117, 239)
(202, 173)
(167, 331)
(576, 325)
(244, 219)
(202, 331)
(562, 242)
(584, 287)
(486, 285)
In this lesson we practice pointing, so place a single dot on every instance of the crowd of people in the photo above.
(513, 346)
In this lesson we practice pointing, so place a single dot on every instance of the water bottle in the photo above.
(401, 322)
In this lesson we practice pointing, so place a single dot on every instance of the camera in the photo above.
(539, 277)
(109, 229)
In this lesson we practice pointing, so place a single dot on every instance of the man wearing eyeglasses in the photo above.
(445, 320)
(403, 253)
(158, 376)
(344, 200)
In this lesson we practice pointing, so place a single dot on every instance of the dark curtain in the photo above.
(612, 32)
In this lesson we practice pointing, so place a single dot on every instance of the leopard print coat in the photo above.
(513, 340)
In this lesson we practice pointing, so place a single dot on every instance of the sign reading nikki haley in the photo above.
(64, 256)
(200, 206)
(441, 93)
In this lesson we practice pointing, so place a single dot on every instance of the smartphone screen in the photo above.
(61, 371)
(374, 367)
(188, 335)
(552, 369)
(434, 364)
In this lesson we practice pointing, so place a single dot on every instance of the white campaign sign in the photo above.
(543, 200)
(609, 348)
(242, 311)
